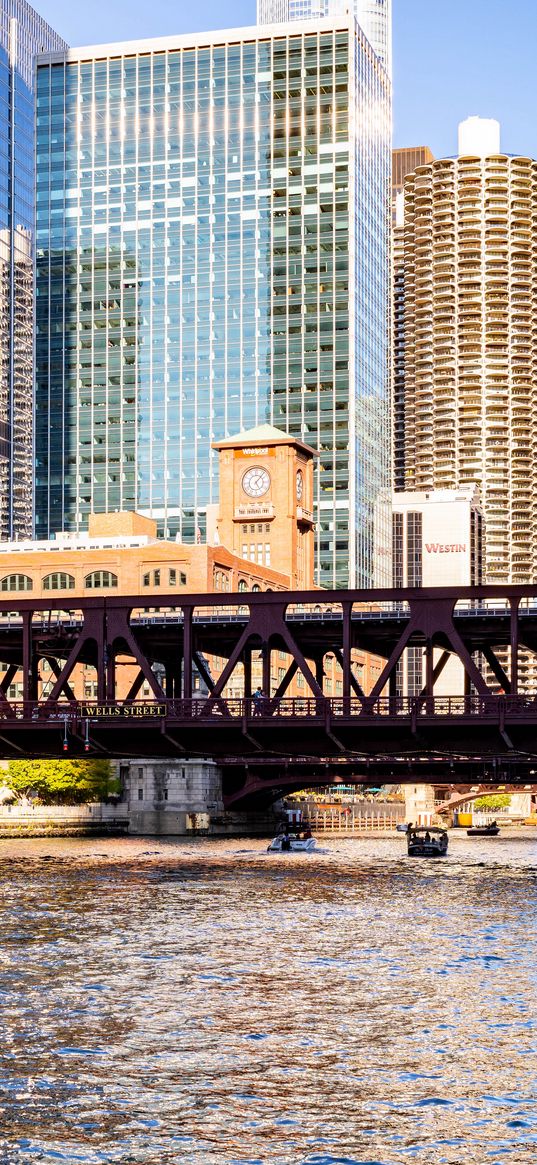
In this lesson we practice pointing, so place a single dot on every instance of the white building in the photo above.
(437, 538)
(437, 542)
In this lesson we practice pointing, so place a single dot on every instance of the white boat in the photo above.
(287, 843)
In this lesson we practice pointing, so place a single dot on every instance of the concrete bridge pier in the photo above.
(182, 798)
(419, 804)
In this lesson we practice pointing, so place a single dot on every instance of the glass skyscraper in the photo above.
(373, 16)
(212, 235)
(22, 34)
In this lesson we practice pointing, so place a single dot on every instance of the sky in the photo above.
(452, 58)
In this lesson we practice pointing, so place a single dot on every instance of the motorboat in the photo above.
(490, 830)
(290, 843)
(426, 841)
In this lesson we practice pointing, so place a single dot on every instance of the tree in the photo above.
(492, 802)
(63, 782)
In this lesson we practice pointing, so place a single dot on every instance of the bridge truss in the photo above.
(489, 728)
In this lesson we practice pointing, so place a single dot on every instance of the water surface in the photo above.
(177, 1002)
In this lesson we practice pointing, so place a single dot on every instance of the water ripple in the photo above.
(205, 1004)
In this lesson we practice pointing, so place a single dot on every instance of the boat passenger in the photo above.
(427, 838)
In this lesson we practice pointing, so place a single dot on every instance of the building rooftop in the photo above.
(207, 39)
(463, 493)
(262, 435)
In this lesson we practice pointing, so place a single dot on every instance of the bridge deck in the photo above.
(165, 647)
(319, 727)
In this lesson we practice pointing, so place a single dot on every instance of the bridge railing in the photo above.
(308, 708)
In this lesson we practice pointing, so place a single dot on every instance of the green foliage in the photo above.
(492, 802)
(62, 782)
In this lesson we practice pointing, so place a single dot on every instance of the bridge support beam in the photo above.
(344, 658)
(515, 603)
(266, 652)
(497, 669)
(29, 660)
(55, 669)
(187, 653)
(429, 668)
(247, 667)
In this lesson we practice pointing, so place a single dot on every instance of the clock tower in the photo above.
(266, 502)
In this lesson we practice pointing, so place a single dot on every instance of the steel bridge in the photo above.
(487, 732)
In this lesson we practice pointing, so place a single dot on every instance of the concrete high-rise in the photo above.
(469, 341)
(213, 241)
(373, 16)
(23, 34)
(404, 161)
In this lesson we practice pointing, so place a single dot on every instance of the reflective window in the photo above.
(202, 268)
(99, 579)
(151, 579)
(58, 582)
(20, 26)
(16, 582)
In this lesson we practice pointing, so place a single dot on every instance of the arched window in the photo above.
(243, 585)
(99, 579)
(58, 582)
(256, 587)
(16, 582)
(152, 578)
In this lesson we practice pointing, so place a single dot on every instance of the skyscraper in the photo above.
(469, 340)
(22, 34)
(212, 255)
(373, 16)
(404, 161)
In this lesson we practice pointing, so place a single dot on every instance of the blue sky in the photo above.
(452, 58)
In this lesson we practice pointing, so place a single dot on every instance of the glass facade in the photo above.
(373, 16)
(212, 253)
(22, 34)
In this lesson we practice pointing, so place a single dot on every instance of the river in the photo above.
(175, 1002)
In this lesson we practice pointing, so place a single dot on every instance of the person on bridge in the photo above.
(258, 698)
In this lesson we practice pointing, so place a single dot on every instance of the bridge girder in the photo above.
(473, 625)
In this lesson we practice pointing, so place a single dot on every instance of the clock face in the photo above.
(256, 481)
(299, 485)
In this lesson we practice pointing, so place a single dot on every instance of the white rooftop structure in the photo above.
(479, 136)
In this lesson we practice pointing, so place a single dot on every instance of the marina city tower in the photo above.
(466, 340)
(213, 239)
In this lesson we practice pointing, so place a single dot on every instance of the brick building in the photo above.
(259, 537)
